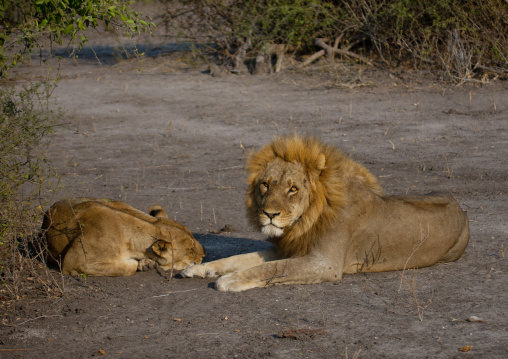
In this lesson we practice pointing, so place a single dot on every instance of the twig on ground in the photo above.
(299, 334)
(178, 291)
(42, 316)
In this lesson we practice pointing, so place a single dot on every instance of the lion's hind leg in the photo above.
(110, 267)
(460, 245)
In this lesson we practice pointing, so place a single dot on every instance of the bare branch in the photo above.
(329, 49)
(313, 58)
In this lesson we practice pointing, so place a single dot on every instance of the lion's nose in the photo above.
(271, 215)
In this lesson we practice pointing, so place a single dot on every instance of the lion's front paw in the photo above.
(199, 271)
(146, 264)
(233, 282)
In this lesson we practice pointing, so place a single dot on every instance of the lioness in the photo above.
(101, 238)
(326, 215)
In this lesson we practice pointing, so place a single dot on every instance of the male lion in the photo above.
(101, 238)
(326, 215)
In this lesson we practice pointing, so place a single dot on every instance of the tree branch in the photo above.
(314, 57)
(329, 49)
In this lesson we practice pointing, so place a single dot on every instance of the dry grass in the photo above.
(356, 354)
(23, 265)
(27, 183)
(410, 283)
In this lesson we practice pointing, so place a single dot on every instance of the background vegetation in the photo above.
(27, 183)
(464, 39)
(29, 25)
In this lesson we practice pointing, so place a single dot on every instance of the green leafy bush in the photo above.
(30, 24)
(280, 21)
(286, 22)
(459, 37)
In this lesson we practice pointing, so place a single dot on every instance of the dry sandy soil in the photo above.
(174, 135)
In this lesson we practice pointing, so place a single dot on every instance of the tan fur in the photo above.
(102, 238)
(327, 215)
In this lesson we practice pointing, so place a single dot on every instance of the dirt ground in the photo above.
(174, 135)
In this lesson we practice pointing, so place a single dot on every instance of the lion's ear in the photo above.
(160, 247)
(157, 211)
(321, 162)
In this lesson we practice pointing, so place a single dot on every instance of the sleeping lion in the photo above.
(97, 237)
(326, 216)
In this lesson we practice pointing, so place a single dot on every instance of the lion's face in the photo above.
(178, 250)
(287, 198)
(282, 196)
(177, 246)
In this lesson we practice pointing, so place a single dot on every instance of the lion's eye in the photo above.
(293, 189)
(264, 185)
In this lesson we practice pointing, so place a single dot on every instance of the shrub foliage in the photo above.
(27, 183)
(459, 37)
(30, 24)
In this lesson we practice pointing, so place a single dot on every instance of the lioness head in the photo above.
(176, 244)
(185, 253)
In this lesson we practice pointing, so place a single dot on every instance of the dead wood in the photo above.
(241, 55)
(300, 334)
(263, 62)
(330, 51)
(313, 58)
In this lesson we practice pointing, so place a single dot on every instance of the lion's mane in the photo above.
(328, 187)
